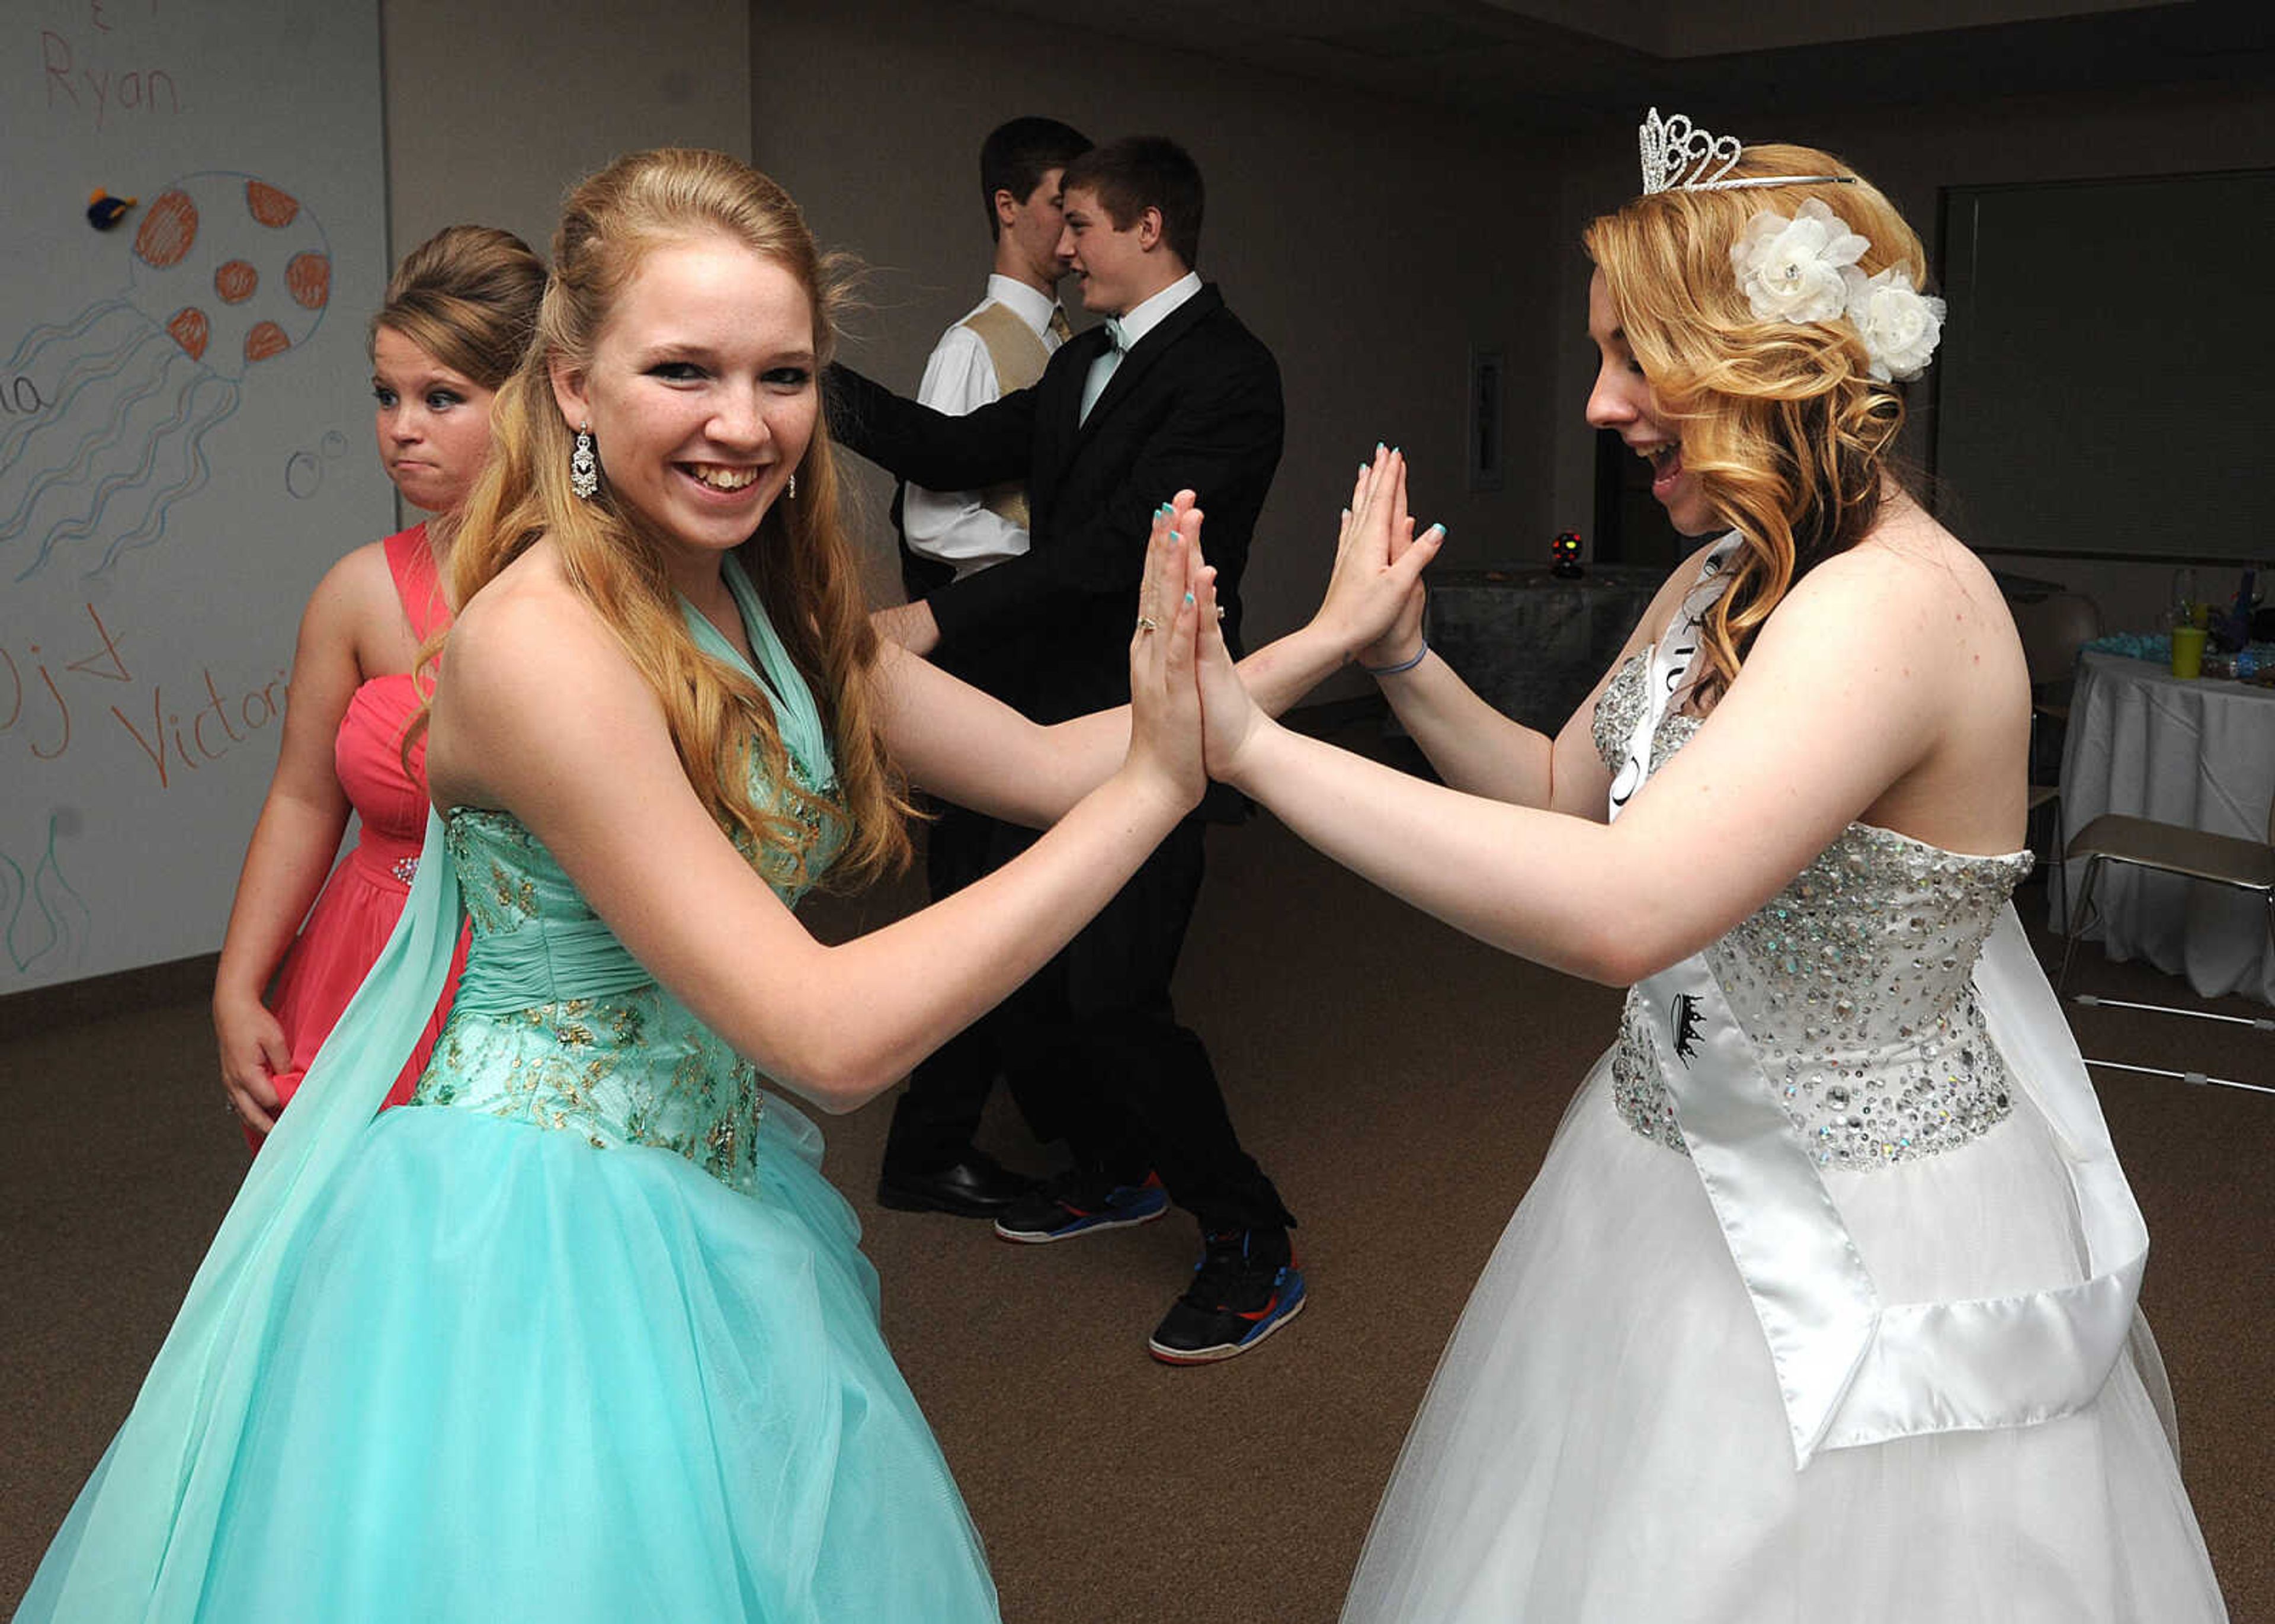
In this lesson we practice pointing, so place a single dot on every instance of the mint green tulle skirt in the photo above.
(505, 1375)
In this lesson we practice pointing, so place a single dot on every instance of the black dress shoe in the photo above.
(976, 1186)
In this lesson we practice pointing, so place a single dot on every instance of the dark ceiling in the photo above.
(1495, 62)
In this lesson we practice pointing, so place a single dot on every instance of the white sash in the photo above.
(1853, 1369)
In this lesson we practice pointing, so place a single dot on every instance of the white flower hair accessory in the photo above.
(1901, 326)
(1805, 269)
(1791, 268)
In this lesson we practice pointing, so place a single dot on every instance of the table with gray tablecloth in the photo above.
(1531, 644)
(2198, 752)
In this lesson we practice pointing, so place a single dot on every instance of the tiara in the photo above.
(1679, 156)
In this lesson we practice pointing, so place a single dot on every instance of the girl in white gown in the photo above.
(1822, 1306)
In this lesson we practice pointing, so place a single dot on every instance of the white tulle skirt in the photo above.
(1604, 1440)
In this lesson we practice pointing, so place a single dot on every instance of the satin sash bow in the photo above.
(1851, 1369)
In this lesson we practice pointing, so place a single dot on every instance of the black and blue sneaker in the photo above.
(1245, 1286)
(1078, 1203)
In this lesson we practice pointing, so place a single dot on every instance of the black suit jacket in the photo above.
(1196, 404)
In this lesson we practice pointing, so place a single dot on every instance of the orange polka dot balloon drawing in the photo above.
(104, 416)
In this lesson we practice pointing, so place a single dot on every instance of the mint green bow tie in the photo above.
(1102, 365)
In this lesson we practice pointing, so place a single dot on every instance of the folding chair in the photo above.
(2053, 630)
(2171, 848)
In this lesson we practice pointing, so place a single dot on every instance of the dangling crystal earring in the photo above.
(584, 470)
(790, 490)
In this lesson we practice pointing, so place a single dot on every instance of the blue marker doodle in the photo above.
(45, 917)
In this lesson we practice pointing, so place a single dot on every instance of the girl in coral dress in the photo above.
(458, 313)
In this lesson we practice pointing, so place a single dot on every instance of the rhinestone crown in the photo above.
(1679, 156)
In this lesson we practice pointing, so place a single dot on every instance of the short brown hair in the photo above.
(1139, 172)
(1016, 156)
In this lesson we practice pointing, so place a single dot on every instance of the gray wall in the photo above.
(494, 110)
(1371, 243)
(1368, 244)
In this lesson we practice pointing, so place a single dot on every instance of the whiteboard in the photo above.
(2101, 385)
(185, 444)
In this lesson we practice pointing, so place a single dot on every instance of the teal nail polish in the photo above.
(1378, 448)
(1189, 597)
(1440, 529)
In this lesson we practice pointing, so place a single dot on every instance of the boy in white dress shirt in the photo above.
(1001, 345)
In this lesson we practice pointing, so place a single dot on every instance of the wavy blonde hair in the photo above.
(800, 559)
(1782, 423)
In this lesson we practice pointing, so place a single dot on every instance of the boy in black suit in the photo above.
(1170, 393)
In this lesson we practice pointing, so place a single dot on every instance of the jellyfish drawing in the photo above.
(103, 417)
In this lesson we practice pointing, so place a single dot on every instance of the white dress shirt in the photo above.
(1134, 325)
(952, 526)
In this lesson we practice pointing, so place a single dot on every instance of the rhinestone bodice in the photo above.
(1855, 983)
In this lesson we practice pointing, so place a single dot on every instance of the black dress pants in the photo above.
(1094, 1052)
(935, 1118)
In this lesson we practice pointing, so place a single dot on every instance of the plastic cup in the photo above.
(2187, 651)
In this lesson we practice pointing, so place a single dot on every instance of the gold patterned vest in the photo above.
(1019, 356)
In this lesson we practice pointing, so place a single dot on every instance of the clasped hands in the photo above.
(1193, 717)
(1372, 610)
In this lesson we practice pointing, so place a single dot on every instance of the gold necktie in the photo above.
(1060, 328)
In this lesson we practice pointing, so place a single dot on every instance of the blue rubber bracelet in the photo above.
(1404, 665)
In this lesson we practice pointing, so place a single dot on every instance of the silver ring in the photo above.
(1219, 611)
(1145, 623)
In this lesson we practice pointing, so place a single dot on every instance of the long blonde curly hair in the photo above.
(1782, 423)
(800, 559)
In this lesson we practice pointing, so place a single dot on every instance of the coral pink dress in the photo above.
(360, 903)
